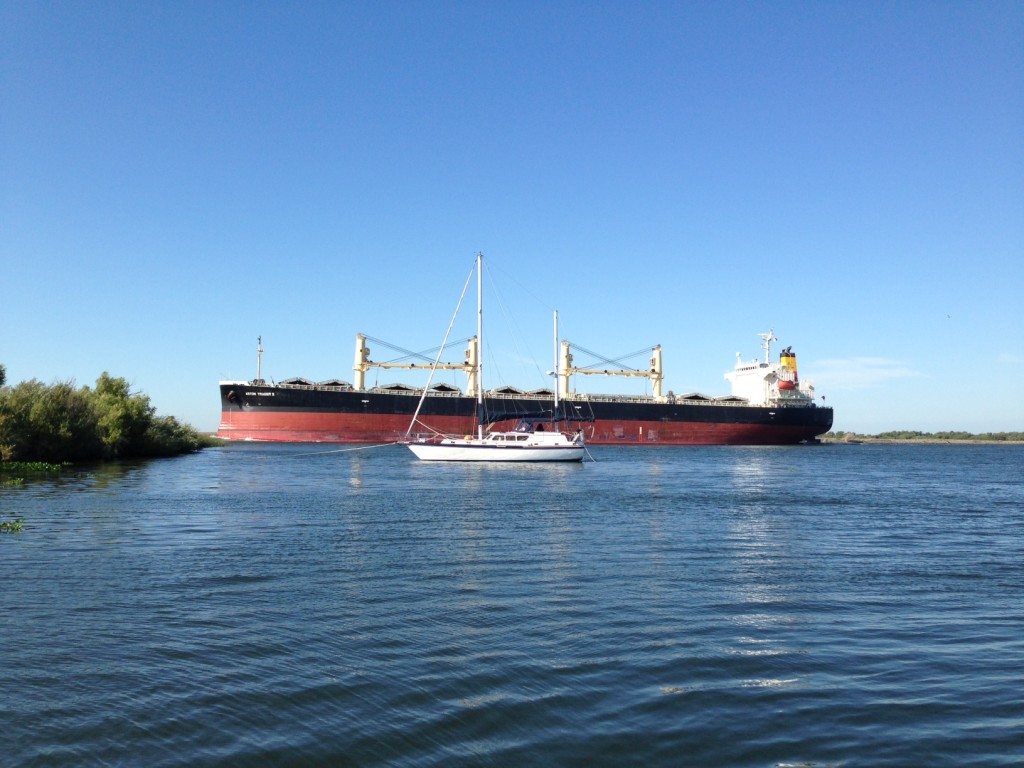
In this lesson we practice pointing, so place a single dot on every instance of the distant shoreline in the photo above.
(910, 441)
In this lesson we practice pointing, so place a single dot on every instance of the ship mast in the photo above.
(766, 344)
(259, 359)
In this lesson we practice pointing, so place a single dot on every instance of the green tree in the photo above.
(58, 423)
(166, 435)
(46, 423)
(122, 419)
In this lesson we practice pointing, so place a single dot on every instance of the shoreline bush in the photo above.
(58, 423)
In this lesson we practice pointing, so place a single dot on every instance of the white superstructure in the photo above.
(762, 383)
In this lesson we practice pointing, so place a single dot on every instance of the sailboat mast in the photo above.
(480, 345)
(556, 367)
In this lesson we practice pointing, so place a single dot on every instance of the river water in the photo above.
(297, 605)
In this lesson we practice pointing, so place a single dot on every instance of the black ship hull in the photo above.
(316, 413)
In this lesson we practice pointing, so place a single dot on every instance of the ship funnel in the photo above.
(788, 378)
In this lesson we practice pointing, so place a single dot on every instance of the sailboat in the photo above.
(530, 441)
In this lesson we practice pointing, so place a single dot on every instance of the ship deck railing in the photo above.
(573, 398)
(327, 387)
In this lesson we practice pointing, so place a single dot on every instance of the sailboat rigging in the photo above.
(528, 442)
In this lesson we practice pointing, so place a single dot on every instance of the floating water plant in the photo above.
(13, 473)
(28, 467)
(11, 526)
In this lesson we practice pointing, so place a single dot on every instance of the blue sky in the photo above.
(179, 178)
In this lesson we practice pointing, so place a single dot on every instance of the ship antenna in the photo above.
(766, 344)
(259, 358)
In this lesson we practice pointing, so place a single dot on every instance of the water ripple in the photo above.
(742, 607)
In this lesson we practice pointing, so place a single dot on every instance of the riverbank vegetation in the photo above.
(60, 422)
(909, 436)
(14, 472)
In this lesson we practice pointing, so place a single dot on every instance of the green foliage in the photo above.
(46, 423)
(167, 434)
(29, 467)
(11, 526)
(13, 473)
(122, 419)
(59, 423)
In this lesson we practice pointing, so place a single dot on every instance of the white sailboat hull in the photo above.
(511, 446)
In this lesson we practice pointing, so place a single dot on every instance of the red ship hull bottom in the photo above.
(296, 427)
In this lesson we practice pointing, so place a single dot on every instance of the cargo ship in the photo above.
(769, 405)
